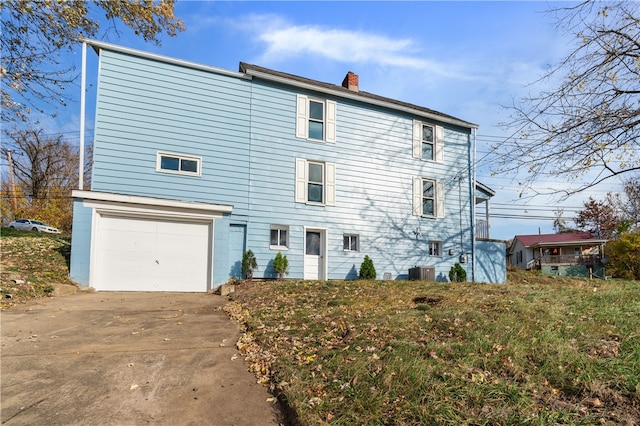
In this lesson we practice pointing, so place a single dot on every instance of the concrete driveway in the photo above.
(127, 359)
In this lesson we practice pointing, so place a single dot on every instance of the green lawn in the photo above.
(538, 350)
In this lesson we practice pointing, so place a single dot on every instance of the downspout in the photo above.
(83, 85)
(472, 183)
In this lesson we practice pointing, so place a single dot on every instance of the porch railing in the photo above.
(482, 229)
(588, 259)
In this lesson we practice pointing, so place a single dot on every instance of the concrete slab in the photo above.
(127, 358)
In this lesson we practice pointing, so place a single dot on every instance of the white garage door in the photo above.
(150, 254)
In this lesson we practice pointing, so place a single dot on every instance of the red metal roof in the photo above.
(564, 238)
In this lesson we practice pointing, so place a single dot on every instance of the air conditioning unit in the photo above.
(422, 273)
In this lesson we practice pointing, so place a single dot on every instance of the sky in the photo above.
(466, 59)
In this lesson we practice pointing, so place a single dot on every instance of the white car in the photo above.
(32, 225)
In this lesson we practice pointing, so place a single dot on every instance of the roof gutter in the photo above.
(97, 45)
(355, 97)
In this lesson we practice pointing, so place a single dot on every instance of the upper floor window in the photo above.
(315, 182)
(279, 237)
(428, 197)
(316, 119)
(428, 141)
(178, 163)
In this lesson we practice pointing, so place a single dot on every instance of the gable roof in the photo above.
(558, 239)
(291, 79)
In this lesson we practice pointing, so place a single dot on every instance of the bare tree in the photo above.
(46, 171)
(587, 127)
(37, 34)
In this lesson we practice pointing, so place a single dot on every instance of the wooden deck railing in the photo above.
(588, 259)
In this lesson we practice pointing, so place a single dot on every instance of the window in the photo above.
(435, 248)
(279, 237)
(316, 119)
(428, 197)
(178, 163)
(315, 182)
(428, 141)
(351, 242)
(519, 256)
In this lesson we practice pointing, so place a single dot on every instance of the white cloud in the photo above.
(284, 40)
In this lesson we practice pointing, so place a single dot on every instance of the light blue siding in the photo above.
(491, 262)
(146, 106)
(80, 243)
(374, 170)
(244, 131)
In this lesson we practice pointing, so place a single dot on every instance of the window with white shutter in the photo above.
(315, 119)
(428, 141)
(315, 182)
(428, 197)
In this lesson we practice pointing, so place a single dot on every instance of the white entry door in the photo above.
(314, 254)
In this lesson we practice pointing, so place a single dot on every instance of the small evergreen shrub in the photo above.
(249, 264)
(367, 270)
(281, 265)
(457, 274)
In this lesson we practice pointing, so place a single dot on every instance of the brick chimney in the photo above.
(350, 81)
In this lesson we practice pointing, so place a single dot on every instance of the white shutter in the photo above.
(439, 144)
(417, 139)
(440, 199)
(417, 196)
(302, 117)
(330, 180)
(331, 121)
(301, 180)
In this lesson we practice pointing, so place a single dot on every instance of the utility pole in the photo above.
(13, 184)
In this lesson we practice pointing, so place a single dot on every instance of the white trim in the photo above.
(351, 235)
(180, 157)
(302, 114)
(330, 121)
(83, 97)
(108, 197)
(324, 256)
(161, 58)
(279, 228)
(101, 209)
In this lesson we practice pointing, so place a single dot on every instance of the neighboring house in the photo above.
(194, 165)
(572, 254)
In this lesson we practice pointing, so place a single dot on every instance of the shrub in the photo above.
(624, 256)
(457, 274)
(367, 270)
(249, 264)
(281, 265)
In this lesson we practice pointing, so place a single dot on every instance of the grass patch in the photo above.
(538, 350)
(36, 261)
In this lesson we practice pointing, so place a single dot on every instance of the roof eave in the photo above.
(354, 96)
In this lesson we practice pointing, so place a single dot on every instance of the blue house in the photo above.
(193, 165)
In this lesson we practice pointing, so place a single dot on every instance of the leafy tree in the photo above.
(624, 256)
(600, 218)
(249, 264)
(614, 215)
(367, 270)
(457, 274)
(281, 265)
(589, 125)
(37, 34)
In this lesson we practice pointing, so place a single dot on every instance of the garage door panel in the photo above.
(151, 254)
